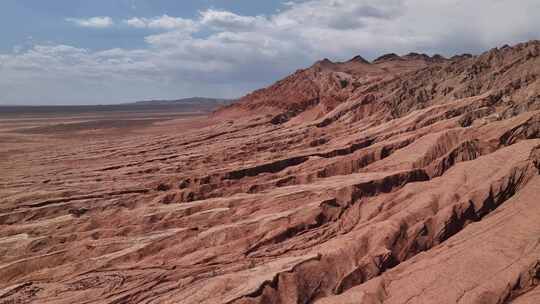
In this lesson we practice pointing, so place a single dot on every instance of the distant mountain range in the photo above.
(188, 105)
(187, 101)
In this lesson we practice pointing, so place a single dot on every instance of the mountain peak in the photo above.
(359, 59)
(325, 61)
(417, 56)
(387, 57)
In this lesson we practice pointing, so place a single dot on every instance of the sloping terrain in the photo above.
(412, 179)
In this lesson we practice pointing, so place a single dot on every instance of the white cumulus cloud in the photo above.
(164, 22)
(94, 22)
(225, 20)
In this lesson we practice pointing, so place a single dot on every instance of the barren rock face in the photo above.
(413, 179)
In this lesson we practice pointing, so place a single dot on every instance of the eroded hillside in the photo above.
(412, 179)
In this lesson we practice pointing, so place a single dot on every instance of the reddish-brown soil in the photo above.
(412, 179)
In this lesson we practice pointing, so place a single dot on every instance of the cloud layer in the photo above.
(220, 53)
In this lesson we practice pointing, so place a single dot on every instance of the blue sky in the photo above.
(111, 51)
(46, 19)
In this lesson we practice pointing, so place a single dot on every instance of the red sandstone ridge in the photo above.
(392, 84)
(411, 179)
(326, 85)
